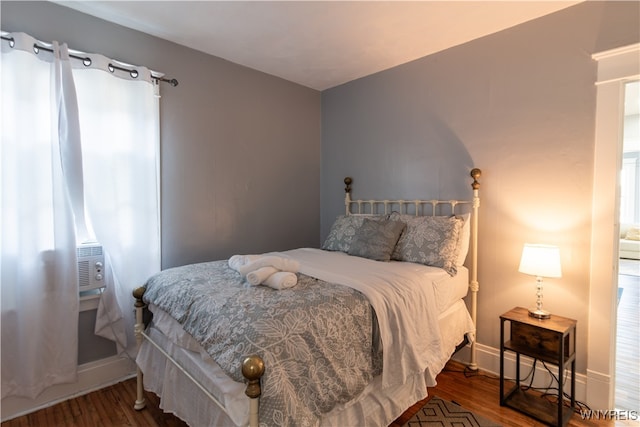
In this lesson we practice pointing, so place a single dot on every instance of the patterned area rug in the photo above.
(438, 412)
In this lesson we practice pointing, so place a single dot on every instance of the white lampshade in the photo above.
(540, 260)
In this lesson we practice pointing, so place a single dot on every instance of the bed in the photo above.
(370, 320)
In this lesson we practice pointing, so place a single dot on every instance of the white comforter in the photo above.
(404, 301)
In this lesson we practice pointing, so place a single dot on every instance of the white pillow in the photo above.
(464, 238)
(633, 233)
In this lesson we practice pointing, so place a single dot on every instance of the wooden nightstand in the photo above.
(550, 340)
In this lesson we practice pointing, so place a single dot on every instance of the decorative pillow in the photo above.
(343, 230)
(430, 240)
(633, 233)
(376, 239)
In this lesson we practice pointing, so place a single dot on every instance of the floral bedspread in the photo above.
(315, 338)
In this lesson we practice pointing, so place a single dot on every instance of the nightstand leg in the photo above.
(518, 370)
(560, 382)
(572, 344)
(501, 362)
(573, 384)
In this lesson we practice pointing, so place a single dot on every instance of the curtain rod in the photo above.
(87, 62)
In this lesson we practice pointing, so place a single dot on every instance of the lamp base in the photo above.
(539, 313)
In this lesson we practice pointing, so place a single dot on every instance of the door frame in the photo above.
(616, 67)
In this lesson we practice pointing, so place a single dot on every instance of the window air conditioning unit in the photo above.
(90, 266)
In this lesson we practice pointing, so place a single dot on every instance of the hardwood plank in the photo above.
(627, 354)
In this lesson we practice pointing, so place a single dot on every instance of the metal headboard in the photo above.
(417, 207)
(430, 207)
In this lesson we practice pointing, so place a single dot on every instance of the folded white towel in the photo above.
(281, 263)
(237, 261)
(281, 280)
(258, 276)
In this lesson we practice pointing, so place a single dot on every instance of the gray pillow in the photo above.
(430, 240)
(343, 230)
(376, 239)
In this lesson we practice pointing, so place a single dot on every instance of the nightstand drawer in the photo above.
(543, 340)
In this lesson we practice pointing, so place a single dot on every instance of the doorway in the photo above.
(627, 371)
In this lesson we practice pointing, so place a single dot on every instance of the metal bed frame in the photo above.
(253, 366)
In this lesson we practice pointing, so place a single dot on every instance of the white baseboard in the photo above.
(488, 360)
(91, 376)
(599, 393)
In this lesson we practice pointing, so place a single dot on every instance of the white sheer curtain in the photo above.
(120, 137)
(116, 179)
(37, 245)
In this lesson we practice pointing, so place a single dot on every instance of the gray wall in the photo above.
(520, 105)
(92, 347)
(240, 148)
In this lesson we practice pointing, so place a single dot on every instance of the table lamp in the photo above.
(540, 261)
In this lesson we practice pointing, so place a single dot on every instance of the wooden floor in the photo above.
(628, 338)
(113, 406)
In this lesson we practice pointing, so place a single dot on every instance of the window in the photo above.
(630, 174)
(629, 188)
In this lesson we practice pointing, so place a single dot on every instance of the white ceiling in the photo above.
(319, 44)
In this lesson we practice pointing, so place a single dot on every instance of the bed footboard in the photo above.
(252, 368)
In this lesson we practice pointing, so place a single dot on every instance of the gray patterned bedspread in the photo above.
(315, 338)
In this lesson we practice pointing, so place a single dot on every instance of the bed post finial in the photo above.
(347, 195)
(475, 174)
(347, 183)
(252, 370)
